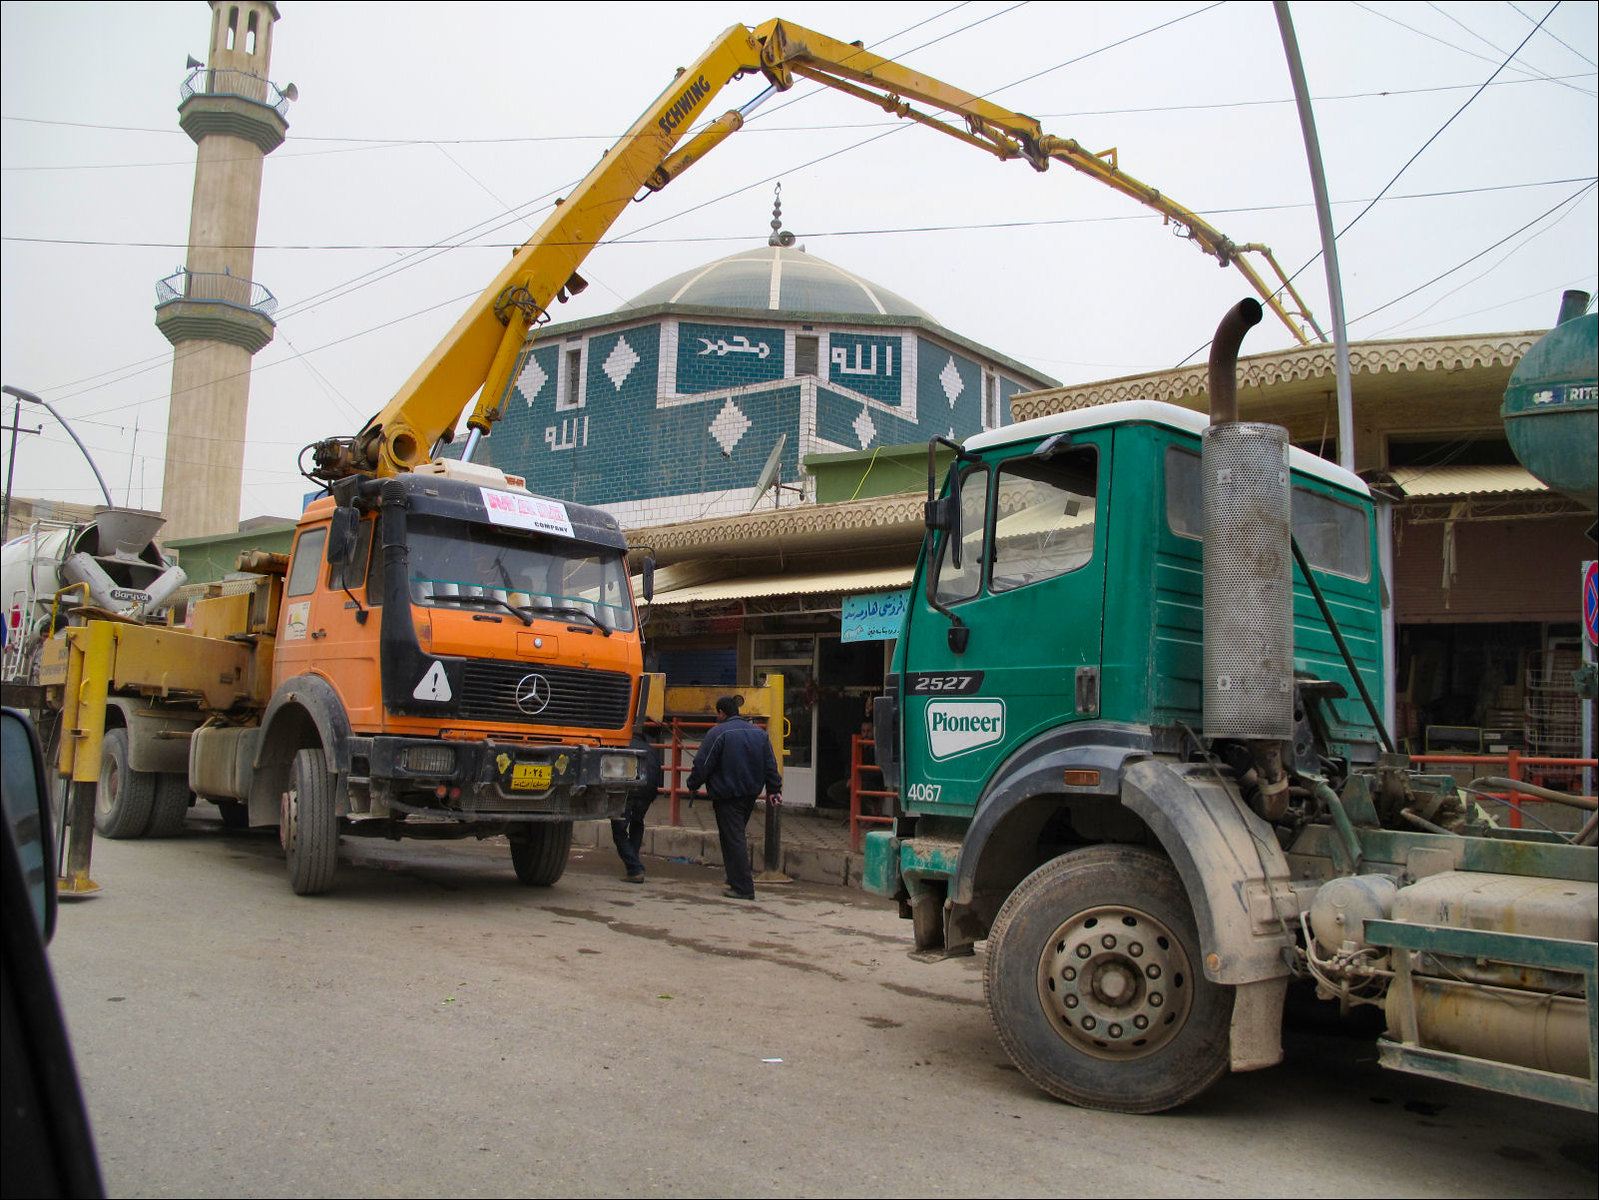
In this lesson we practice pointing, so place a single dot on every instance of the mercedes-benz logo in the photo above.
(532, 694)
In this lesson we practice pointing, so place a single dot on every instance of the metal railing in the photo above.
(858, 765)
(216, 288)
(1515, 764)
(225, 81)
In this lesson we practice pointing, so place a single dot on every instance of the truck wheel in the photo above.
(171, 806)
(309, 825)
(539, 852)
(1094, 983)
(124, 798)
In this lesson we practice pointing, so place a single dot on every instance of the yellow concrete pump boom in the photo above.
(486, 346)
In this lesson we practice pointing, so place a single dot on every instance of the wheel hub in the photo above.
(288, 810)
(1115, 981)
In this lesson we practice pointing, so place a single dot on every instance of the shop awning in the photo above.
(1421, 483)
(868, 579)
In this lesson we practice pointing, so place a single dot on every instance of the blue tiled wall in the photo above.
(710, 357)
(869, 364)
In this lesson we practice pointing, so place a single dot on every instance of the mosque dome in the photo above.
(778, 279)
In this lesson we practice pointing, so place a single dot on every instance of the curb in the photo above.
(839, 868)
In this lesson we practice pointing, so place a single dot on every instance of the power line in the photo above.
(688, 239)
(1552, 34)
(1436, 134)
(1444, 42)
(1481, 253)
(752, 127)
(1525, 66)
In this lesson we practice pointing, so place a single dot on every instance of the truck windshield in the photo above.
(454, 562)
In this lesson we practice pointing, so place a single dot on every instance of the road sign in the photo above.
(1590, 602)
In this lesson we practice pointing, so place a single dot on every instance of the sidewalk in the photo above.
(815, 842)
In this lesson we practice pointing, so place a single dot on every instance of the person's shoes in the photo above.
(732, 895)
(634, 877)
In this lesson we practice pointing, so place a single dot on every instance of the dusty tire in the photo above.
(171, 806)
(124, 797)
(1095, 984)
(539, 852)
(309, 825)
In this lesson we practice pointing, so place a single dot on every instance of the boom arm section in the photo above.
(484, 348)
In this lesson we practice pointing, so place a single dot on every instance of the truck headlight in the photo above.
(618, 768)
(429, 760)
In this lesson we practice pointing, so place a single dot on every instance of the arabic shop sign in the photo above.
(711, 357)
(867, 364)
(875, 617)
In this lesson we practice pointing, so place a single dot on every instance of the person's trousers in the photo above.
(627, 831)
(731, 818)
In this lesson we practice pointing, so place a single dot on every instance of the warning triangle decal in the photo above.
(435, 684)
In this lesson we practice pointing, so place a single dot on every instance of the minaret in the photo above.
(211, 310)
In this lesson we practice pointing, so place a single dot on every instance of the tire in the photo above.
(171, 807)
(309, 825)
(539, 852)
(124, 797)
(1094, 983)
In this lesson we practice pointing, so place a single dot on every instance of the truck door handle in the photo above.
(319, 633)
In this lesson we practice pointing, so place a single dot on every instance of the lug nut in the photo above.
(1156, 999)
(1108, 942)
(1083, 951)
(1069, 974)
(1115, 1031)
(1089, 1023)
(1153, 970)
(1136, 949)
(1070, 1001)
(1140, 1022)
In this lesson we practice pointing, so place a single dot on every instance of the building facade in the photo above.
(674, 407)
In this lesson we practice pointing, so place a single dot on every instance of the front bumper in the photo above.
(501, 780)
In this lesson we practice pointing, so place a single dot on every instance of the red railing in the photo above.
(676, 762)
(1515, 764)
(858, 765)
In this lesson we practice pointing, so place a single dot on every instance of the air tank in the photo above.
(1551, 411)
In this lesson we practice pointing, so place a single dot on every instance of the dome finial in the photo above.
(780, 236)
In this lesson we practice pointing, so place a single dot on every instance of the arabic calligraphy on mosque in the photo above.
(738, 344)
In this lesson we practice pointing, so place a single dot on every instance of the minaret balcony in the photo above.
(207, 306)
(237, 103)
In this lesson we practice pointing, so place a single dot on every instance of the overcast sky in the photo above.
(422, 124)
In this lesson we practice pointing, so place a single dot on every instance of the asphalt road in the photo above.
(432, 1028)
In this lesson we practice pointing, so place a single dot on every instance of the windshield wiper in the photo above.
(566, 608)
(505, 604)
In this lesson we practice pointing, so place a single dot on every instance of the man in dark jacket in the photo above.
(734, 762)
(627, 831)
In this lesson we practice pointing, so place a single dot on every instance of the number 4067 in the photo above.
(924, 793)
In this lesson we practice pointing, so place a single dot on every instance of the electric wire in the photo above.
(1550, 33)
(687, 239)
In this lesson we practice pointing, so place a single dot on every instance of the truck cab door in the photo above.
(1031, 591)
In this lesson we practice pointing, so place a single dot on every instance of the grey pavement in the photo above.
(814, 843)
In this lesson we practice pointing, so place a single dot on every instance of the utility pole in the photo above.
(11, 466)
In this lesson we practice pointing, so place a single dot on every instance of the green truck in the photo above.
(1130, 721)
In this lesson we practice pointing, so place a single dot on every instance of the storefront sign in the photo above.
(875, 617)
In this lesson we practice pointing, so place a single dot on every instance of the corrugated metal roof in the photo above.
(1423, 482)
(870, 579)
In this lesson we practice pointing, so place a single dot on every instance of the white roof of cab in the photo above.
(1153, 412)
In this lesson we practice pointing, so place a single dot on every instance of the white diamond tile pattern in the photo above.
(950, 379)
(532, 381)
(619, 363)
(864, 428)
(730, 425)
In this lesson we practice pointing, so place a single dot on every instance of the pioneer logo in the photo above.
(956, 727)
(686, 103)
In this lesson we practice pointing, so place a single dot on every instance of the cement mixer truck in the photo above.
(110, 564)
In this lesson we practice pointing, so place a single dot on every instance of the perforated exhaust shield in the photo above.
(1248, 597)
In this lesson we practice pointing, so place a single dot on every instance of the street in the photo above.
(432, 1028)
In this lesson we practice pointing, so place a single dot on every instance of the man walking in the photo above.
(734, 761)
(627, 831)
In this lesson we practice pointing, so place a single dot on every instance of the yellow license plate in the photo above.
(530, 777)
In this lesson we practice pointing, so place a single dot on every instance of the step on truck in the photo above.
(1131, 725)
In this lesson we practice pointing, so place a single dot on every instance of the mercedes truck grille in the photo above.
(528, 694)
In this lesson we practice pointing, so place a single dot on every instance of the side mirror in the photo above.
(342, 536)
(939, 514)
(25, 797)
(649, 579)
